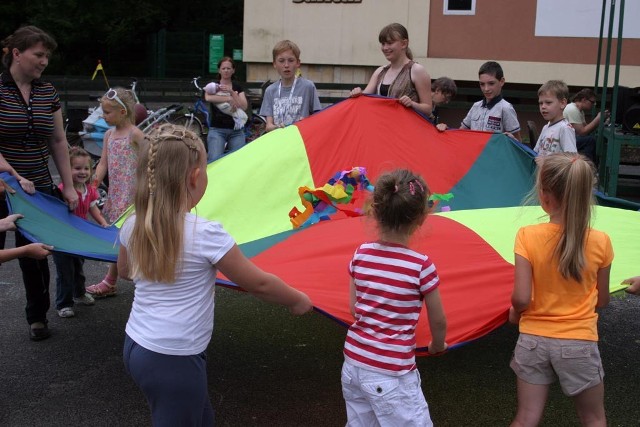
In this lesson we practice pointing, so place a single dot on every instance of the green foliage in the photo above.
(117, 31)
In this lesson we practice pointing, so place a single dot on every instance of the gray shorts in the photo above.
(540, 360)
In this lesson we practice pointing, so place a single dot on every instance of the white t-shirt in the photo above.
(556, 137)
(495, 116)
(177, 318)
(573, 114)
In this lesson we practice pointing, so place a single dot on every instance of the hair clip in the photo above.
(412, 189)
(396, 189)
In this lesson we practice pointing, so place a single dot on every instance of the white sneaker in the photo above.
(85, 299)
(66, 312)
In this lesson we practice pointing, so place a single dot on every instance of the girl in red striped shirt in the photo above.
(389, 282)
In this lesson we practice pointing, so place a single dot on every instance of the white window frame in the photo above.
(446, 11)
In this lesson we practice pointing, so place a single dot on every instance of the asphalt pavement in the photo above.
(268, 368)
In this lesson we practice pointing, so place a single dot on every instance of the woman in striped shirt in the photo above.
(31, 130)
(389, 281)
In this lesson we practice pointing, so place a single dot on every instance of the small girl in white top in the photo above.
(173, 256)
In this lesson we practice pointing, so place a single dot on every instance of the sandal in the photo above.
(102, 289)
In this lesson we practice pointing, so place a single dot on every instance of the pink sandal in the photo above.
(102, 289)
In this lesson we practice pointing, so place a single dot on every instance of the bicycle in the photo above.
(191, 120)
(176, 114)
(255, 127)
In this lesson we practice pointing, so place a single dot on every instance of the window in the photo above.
(459, 7)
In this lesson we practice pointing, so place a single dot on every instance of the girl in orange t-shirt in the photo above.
(561, 276)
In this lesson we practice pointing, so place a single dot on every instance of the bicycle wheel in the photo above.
(255, 127)
(190, 122)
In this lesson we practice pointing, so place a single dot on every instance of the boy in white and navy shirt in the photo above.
(493, 113)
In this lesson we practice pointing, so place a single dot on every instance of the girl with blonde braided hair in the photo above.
(173, 256)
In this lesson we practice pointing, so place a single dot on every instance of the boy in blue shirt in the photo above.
(493, 113)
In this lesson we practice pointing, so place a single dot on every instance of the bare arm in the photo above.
(514, 135)
(8, 223)
(94, 210)
(261, 284)
(634, 283)
(218, 99)
(437, 321)
(123, 263)
(583, 129)
(422, 82)
(101, 168)
(371, 86)
(241, 100)
(603, 286)
(60, 152)
(137, 138)
(352, 297)
(26, 185)
(33, 250)
(270, 124)
(521, 295)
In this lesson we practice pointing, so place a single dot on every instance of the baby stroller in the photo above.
(93, 129)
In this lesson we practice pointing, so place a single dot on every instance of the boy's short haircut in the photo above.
(585, 93)
(445, 85)
(492, 68)
(557, 88)
(285, 45)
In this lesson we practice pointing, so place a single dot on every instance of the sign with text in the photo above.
(216, 51)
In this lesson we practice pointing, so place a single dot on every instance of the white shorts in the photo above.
(375, 399)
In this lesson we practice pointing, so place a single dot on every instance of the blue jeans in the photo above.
(175, 386)
(218, 139)
(70, 279)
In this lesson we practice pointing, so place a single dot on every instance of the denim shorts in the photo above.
(540, 360)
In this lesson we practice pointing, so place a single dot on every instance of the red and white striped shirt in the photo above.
(391, 281)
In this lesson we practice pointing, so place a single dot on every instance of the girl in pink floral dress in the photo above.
(119, 158)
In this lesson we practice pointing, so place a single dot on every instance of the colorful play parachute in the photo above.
(256, 194)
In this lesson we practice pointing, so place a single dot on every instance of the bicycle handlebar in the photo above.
(195, 83)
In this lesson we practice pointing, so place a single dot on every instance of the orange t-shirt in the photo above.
(561, 308)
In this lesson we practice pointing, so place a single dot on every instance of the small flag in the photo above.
(100, 68)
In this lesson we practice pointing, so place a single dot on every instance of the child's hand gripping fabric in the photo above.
(634, 283)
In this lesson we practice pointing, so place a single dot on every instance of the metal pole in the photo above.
(614, 101)
(598, 62)
(599, 143)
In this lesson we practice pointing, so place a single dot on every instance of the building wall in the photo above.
(338, 41)
(505, 31)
